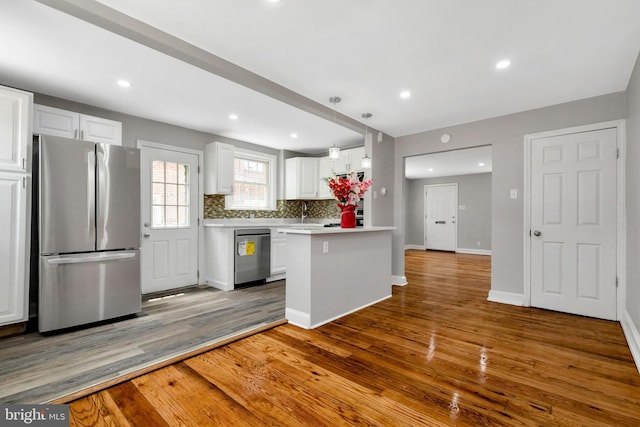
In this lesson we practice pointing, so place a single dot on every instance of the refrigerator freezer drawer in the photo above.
(84, 288)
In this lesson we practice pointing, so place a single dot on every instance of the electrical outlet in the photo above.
(478, 243)
(325, 247)
(514, 193)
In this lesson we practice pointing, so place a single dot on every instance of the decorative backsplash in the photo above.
(214, 208)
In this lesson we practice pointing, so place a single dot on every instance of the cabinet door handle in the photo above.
(81, 134)
(24, 163)
(75, 134)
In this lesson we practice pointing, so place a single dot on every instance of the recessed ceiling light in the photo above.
(480, 164)
(430, 169)
(501, 65)
(124, 83)
(233, 116)
(294, 135)
(405, 94)
(274, 1)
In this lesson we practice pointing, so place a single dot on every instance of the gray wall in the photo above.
(633, 195)
(505, 134)
(134, 128)
(382, 174)
(474, 222)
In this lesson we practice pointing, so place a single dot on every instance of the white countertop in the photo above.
(332, 230)
(262, 223)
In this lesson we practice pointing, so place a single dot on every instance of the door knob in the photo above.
(537, 233)
(146, 235)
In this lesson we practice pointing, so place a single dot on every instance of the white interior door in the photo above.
(169, 253)
(440, 208)
(573, 223)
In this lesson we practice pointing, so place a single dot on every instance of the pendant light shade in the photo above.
(366, 160)
(334, 152)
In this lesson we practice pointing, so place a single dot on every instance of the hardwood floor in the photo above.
(437, 353)
(38, 368)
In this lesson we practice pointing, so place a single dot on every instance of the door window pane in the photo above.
(170, 195)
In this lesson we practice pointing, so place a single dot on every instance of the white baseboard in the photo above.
(633, 337)
(506, 298)
(417, 247)
(218, 285)
(280, 276)
(399, 280)
(474, 251)
(298, 318)
(303, 320)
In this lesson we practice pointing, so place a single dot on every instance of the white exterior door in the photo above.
(440, 208)
(170, 219)
(573, 223)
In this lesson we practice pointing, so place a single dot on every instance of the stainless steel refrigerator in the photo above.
(89, 231)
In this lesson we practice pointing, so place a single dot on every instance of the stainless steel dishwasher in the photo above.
(252, 255)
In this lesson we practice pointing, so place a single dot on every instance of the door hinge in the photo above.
(617, 153)
(198, 168)
(616, 281)
(198, 222)
(24, 182)
(198, 274)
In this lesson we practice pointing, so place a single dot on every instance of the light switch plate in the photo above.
(514, 193)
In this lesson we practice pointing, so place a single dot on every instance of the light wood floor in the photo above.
(36, 369)
(437, 353)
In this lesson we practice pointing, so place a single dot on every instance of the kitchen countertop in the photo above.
(262, 223)
(332, 230)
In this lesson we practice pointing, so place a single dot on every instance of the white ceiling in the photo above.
(365, 51)
(449, 163)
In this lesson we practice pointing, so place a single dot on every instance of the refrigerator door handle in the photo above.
(91, 195)
(101, 201)
(94, 258)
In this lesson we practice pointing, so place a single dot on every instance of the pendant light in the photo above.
(366, 160)
(334, 152)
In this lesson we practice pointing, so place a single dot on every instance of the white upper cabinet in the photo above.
(218, 164)
(350, 160)
(302, 179)
(69, 124)
(354, 159)
(325, 169)
(15, 129)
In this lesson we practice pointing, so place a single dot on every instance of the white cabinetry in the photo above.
(13, 244)
(325, 170)
(15, 129)
(353, 158)
(218, 164)
(302, 179)
(278, 254)
(350, 160)
(15, 215)
(68, 124)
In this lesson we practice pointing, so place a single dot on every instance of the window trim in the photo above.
(271, 187)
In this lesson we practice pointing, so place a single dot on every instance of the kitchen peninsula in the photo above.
(332, 272)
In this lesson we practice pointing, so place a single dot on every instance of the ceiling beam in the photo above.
(116, 22)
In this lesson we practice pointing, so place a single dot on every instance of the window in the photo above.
(253, 181)
(170, 197)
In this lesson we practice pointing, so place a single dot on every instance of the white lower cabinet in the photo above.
(13, 247)
(278, 254)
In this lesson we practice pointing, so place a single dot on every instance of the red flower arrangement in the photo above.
(349, 190)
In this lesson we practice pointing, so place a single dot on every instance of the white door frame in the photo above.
(621, 227)
(200, 153)
(424, 223)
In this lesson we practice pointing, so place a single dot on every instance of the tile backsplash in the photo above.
(214, 208)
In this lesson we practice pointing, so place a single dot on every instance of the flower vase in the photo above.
(348, 216)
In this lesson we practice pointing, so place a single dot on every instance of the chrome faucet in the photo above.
(304, 212)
